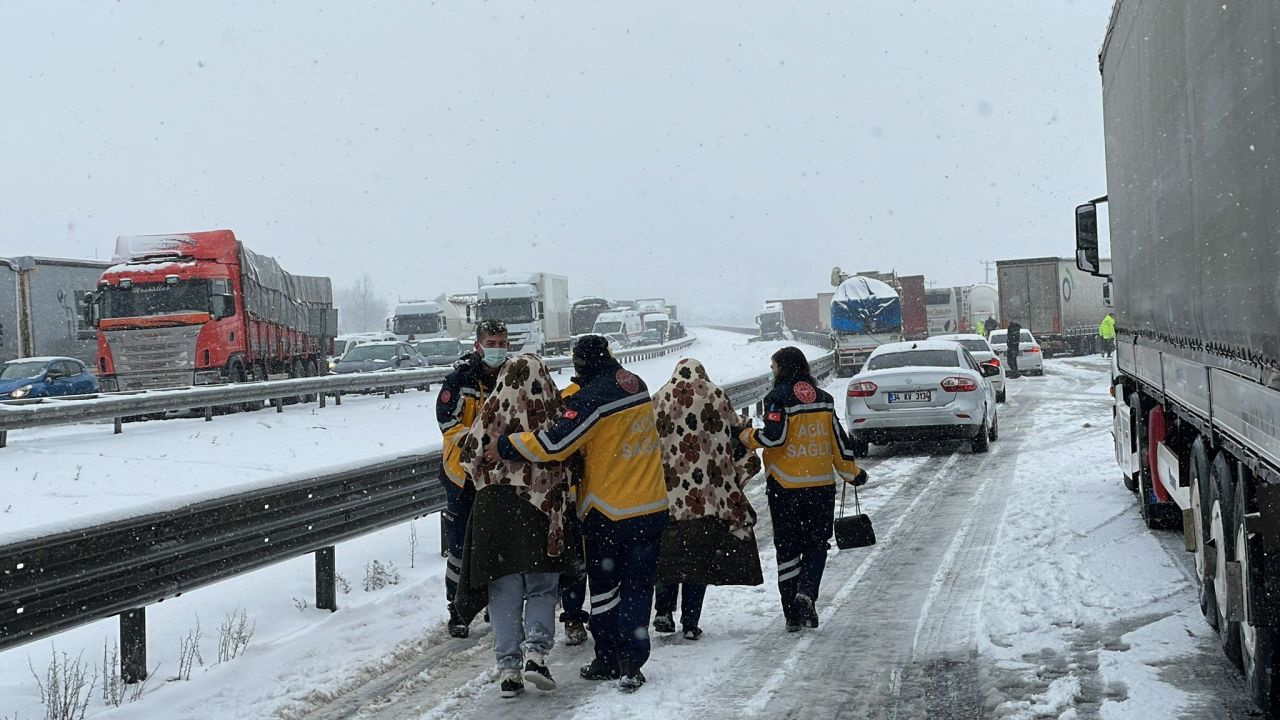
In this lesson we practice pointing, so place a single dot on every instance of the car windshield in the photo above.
(189, 296)
(370, 352)
(440, 347)
(914, 358)
(17, 370)
(604, 328)
(974, 345)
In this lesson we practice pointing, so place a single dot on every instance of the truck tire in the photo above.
(1198, 467)
(1258, 645)
(1222, 492)
(982, 441)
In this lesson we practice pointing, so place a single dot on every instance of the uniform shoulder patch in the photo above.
(804, 392)
(446, 396)
(570, 414)
(627, 381)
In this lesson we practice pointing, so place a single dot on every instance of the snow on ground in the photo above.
(1087, 604)
(69, 476)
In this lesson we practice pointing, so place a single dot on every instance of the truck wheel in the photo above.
(295, 371)
(1257, 644)
(1222, 492)
(1200, 502)
(238, 373)
(982, 441)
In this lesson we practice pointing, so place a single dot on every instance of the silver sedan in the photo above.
(922, 390)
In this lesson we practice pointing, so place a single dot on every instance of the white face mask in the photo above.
(494, 357)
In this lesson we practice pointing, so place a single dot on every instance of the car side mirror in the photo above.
(989, 370)
(1087, 239)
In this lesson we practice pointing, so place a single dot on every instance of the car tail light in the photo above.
(1033, 349)
(862, 389)
(992, 361)
(959, 384)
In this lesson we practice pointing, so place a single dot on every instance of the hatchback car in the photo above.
(1030, 358)
(440, 351)
(982, 352)
(45, 377)
(931, 389)
(375, 356)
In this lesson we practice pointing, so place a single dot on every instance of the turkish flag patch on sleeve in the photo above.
(570, 414)
(774, 417)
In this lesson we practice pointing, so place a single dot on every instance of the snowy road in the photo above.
(1016, 584)
(937, 620)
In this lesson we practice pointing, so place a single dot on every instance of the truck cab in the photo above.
(533, 306)
(772, 322)
(419, 319)
(660, 322)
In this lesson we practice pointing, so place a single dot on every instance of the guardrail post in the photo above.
(386, 393)
(323, 398)
(4, 438)
(133, 645)
(760, 409)
(337, 398)
(119, 426)
(326, 579)
(279, 404)
(208, 413)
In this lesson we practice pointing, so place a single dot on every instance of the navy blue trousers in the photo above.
(457, 513)
(622, 565)
(803, 520)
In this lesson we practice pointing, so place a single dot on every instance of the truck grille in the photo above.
(151, 358)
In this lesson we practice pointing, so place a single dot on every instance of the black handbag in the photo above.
(854, 531)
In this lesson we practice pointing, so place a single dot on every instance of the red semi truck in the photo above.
(200, 309)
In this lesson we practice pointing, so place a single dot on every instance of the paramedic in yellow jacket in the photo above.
(805, 452)
(457, 405)
(622, 502)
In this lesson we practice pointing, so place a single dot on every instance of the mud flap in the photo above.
(1190, 531)
(1235, 592)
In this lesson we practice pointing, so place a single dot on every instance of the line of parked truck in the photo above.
(1049, 297)
(202, 308)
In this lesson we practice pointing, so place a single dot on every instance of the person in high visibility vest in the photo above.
(1107, 331)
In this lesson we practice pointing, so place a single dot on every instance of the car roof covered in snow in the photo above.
(44, 359)
(958, 336)
(930, 344)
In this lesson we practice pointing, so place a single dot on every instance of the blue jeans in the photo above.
(803, 520)
(522, 612)
(691, 596)
(622, 565)
(457, 512)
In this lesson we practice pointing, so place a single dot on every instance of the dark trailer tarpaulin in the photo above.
(1194, 176)
(299, 302)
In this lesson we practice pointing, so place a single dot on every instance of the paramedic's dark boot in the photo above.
(457, 626)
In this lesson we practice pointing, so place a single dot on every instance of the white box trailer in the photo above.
(42, 307)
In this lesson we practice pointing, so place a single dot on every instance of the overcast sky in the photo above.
(713, 153)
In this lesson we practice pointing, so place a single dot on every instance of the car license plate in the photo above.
(913, 396)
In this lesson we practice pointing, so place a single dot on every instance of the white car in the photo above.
(929, 389)
(1030, 359)
(982, 352)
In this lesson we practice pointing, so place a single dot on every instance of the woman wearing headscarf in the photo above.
(710, 539)
(516, 545)
(805, 451)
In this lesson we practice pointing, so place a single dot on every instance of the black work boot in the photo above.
(599, 670)
(457, 626)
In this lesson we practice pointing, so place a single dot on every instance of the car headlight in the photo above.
(20, 392)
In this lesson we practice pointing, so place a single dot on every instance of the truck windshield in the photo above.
(655, 324)
(914, 358)
(416, 324)
(16, 370)
(605, 328)
(188, 296)
(508, 311)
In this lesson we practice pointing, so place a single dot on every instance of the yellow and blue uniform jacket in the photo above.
(457, 407)
(804, 445)
(610, 421)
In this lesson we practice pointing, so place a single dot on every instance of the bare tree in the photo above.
(360, 307)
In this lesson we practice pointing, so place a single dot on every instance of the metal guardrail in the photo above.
(53, 583)
(47, 412)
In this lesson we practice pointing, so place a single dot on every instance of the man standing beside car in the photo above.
(457, 406)
(1011, 341)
